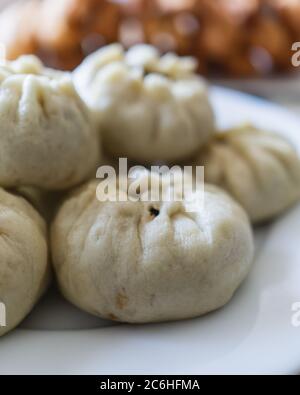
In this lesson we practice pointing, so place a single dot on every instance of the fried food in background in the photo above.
(270, 35)
(65, 24)
(59, 59)
(176, 5)
(232, 37)
(289, 12)
(71, 29)
(177, 33)
(61, 32)
(17, 28)
(228, 37)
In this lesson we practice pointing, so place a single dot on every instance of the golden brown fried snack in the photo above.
(138, 7)
(243, 37)
(273, 37)
(242, 65)
(61, 59)
(61, 32)
(17, 27)
(218, 40)
(222, 21)
(71, 29)
(176, 5)
(234, 11)
(65, 24)
(289, 11)
(176, 32)
(240, 37)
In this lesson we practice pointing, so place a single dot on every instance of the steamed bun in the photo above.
(24, 269)
(259, 169)
(144, 262)
(45, 202)
(48, 137)
(150, 108)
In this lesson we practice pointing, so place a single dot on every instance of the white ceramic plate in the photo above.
(252, 334)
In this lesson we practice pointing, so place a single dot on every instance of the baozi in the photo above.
(144, 261)
(48, 137)
(24, 268)
(260, 170)
(45, 202)
(149, 108)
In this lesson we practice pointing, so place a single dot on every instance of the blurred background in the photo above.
(245, 44)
